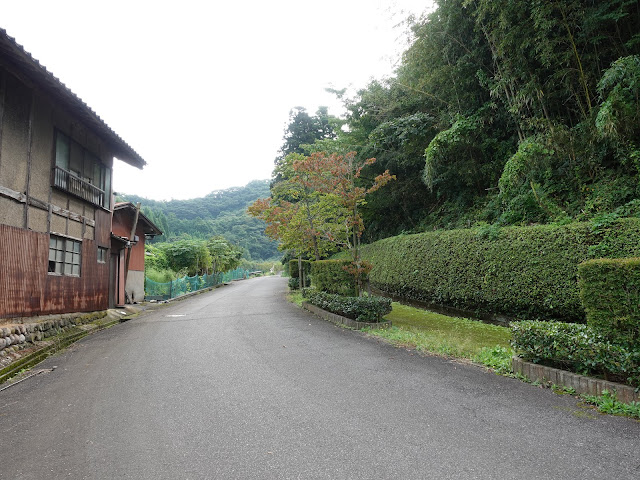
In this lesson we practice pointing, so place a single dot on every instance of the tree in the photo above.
(187, 255)
(339, 176)
(225, 256)
(329, 192)
(303, 129)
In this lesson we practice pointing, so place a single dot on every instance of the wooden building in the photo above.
(56, 158)
(132, 226)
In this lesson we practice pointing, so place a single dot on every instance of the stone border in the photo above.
(340, 320)
(581, 383)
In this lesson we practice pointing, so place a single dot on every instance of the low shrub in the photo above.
(361, 309)
(521, 272)
(576, 347)
(330, 276)
(294, 283)
(610, 293)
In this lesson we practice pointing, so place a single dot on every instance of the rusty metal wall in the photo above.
(26, 289)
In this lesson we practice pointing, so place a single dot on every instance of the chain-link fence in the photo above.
(180, 286)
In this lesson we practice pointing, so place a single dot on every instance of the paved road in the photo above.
(237, 383)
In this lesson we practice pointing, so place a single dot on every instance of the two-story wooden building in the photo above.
(56, 207)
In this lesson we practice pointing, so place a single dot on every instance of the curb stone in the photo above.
(340, 320)
(580, 383)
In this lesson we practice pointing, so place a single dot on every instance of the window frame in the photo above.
(102, 255)
(67, 256)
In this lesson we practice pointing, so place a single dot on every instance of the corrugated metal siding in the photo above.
(26, 289)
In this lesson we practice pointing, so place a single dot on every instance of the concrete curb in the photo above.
(581, 383)
(340, 320)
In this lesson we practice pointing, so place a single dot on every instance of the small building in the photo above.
(133, 227)
(56, 207)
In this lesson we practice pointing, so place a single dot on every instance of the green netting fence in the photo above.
(180, 286)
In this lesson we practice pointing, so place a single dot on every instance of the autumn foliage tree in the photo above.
(321, 212)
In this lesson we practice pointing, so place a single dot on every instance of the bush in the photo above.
(294, 283)
(330, 276)
(293, 268)
(610, 293)
(523, 272)
(575, 347)
(160, 275)
(361, 309)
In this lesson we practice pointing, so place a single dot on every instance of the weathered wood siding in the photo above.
(31, 209)
(26, 289)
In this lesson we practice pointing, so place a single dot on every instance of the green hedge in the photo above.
(331, 277)
(361, 309)
(578, 348)
(293, 268)
(610, 292)
(522, 272)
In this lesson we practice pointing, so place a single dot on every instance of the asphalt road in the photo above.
(237, 383)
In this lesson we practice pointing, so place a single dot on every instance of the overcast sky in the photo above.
(202, 89)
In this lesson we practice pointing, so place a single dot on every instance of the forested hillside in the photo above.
(222, 212)
(506, 112)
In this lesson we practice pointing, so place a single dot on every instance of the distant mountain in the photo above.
(222, 212)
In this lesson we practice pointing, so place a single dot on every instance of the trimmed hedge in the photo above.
(610, 292)
(522, 272)
(331, 277)
(294, 272)
(293, 268)
(294, 283)
(576, 347)
(360, 309)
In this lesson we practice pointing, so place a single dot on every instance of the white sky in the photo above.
(202, 89)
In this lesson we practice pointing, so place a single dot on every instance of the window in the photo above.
(102, 255)
(64, 256)
(80, 172)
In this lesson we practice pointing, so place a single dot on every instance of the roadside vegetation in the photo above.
(430, 332)
(497, 167)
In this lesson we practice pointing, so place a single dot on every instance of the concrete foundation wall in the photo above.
(135, 285)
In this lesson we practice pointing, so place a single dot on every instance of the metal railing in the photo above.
(76, 186)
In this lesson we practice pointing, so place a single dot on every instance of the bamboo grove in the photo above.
(501, 112)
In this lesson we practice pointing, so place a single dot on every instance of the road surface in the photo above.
(239, 384)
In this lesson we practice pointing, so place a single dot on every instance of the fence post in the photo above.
(171, 289)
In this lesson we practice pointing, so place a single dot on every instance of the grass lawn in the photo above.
(431, 332)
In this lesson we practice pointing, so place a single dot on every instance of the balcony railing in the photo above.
(76, 186)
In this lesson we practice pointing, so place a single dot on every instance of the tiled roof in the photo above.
(15, 55)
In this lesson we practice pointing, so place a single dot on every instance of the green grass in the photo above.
(608, 403)
(295, 296)
(430, 332)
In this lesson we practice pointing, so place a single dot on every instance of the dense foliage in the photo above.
(333, 276)
(296, 267)
(360, 309)
(190, 256)
(522, 272)
(314, 206)
(610, 293)
(294, 270)
(506, 112)
(578, 348)
(221, 212)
